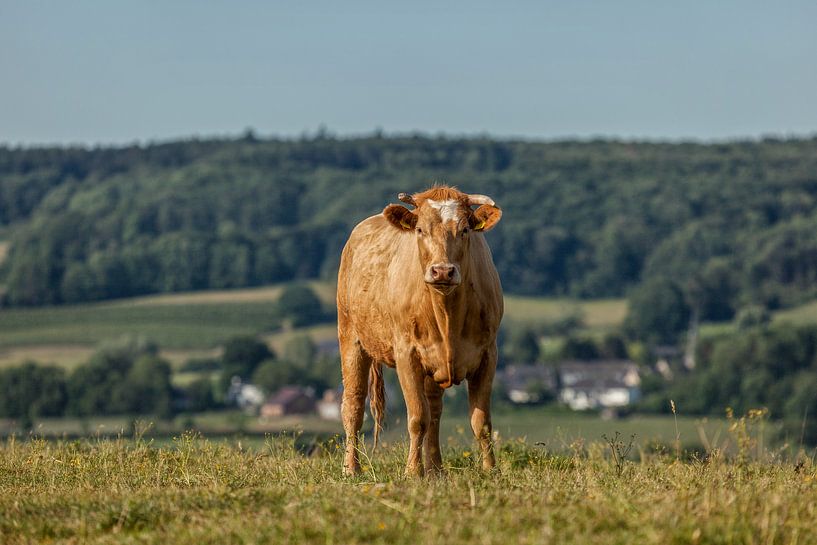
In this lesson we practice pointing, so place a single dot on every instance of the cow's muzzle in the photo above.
(443, 277)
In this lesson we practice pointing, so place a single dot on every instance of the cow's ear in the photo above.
(485, 217)
(401, 217)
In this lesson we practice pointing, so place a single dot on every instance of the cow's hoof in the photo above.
(414, 471)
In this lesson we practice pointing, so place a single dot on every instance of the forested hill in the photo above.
(731, 223)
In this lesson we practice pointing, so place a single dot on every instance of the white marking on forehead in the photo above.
(449, 210)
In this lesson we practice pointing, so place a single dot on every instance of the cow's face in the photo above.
(442, 229)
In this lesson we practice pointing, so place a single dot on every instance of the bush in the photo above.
(752, 316)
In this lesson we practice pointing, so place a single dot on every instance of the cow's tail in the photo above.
(377, 398)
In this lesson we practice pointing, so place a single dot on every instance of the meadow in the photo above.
(556, 428)
(195, 490)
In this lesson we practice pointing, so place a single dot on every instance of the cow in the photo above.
(418, 292)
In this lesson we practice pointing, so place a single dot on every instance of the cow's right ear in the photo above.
(401, 217)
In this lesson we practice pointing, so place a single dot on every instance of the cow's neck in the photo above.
(449, 315)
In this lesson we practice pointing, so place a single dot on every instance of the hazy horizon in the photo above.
(94, 73)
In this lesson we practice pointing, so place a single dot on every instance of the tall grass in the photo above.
(199, 491)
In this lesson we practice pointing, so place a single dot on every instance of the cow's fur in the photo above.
(435, 335)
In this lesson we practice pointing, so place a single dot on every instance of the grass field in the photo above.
(558, 429)
(596, 314)
(190, 324)
(199, 491)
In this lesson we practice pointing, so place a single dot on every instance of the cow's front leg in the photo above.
(479, 405)
(411, 376)
(431, 447)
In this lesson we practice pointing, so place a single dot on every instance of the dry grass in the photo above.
(66, 356)
(69, 356)
(197, 491)
(324, 290)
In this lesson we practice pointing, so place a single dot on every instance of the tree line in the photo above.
(722, 225)
(129, 377)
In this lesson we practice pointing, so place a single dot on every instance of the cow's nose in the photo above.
(442, 272)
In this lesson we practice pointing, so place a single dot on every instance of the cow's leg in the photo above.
(412, 377)
(355, 365)
(479, 405)
(431, 446)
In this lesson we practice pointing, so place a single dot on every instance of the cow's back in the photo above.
(365, 297)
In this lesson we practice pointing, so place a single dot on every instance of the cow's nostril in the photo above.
(442, 272)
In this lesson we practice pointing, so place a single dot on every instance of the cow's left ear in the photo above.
(400, 216)
(485, 217)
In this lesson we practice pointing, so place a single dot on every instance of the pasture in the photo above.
(558, 429)
(198, 491)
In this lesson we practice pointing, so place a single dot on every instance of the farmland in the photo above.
(193, 490)
(189, 323)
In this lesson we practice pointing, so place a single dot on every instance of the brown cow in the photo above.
(418, 291)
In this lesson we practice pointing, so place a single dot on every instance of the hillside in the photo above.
(732, 223)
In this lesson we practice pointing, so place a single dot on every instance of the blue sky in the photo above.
(116, 72)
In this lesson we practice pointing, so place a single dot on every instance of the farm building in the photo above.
(599, 384)
(525, 384)
(289, 400)
(329, 405)
(247, 397)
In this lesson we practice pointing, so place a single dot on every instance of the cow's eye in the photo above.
(419, 231)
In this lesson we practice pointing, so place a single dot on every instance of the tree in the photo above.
(241, 357)
(148, 389)
(300, 350)
(657, 311)
(200, 396)
(579, 348)
(521, 345)
(102, 386)
(300, 305)
(274, 374)
(32, 390)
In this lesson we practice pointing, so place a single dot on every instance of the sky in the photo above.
(115, 72)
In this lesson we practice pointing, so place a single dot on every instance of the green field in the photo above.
(187, 323)
(558, 429)
(190, 324)
(198, 491)
(184, 325)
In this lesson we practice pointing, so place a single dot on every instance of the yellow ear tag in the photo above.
(405, 225)
(480, 226)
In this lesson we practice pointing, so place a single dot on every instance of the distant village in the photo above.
(608, 386)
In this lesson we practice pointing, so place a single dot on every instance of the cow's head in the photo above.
(442, 224)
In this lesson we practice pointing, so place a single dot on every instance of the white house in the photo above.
(599, 384)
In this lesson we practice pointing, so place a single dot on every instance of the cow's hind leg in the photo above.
(479, 405)
(431, 446)
(355, 365)
(412, 377)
